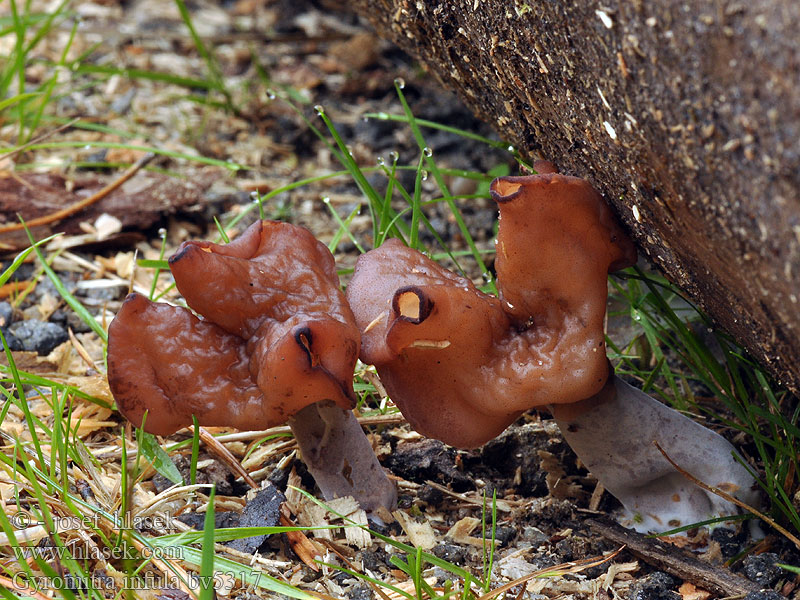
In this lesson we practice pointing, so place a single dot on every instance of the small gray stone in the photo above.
(103, 294)
(69, 319)
(13, 341)
(655, 586)
(6, 314)
(122, 104)
(502, 534)
(263, 510)
(534, 535)
(374, 559)
(45, 286)
(450, 553)
(761, 568)
(39, 336)
(360, 591)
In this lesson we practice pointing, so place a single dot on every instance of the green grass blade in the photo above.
(231, 166)
(431, 558)
(430, 165)
(160, 264)
(207, 556)
(413, 240)
(157, 456)
(17, 99)
(195, 451)
(79, 309)
(186, 82)
(344, 227)
(349, 162)
(396, 590)
(22, 401)
(20, 258)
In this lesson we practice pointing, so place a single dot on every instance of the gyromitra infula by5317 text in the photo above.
(462, 365)
(277, 343)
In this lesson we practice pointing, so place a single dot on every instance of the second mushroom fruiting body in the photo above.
(462, 365)
(277, 342)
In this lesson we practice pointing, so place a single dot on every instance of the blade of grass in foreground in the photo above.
(431, 558)
(344, 227)
(430, 164)
(231, 166)
(214, 70)
(79, 309)
(20, 258)
(207, 554)
(23, 404)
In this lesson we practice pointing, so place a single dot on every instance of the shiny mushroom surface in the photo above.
(277, 343)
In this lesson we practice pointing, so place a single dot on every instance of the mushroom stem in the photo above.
(339, 456)
(613, 433)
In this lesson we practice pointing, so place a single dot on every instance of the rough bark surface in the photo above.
(686, 115)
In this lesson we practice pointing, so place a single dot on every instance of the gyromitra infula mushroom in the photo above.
(278, 343)
(462, 365)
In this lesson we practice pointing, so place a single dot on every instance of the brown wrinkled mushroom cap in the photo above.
(556, 244)
(279, 336)
(273, 272)
(432, 336)
(462, 365)
(159, 356)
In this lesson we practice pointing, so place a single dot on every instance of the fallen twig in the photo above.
(502, 505)
(675, 560)
(223, 453)
(555, 571)
(81, 204)
(240, 436)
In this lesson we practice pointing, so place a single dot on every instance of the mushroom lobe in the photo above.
(273, 272)
(165, 361)
(462, 365)
(556, 243)
(277, 336)
(429, 332)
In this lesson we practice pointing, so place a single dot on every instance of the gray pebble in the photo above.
(122, 104)
(13, 341)
(360, 591)
(45, 286)
(104, 294)
(450, 552)
(655, 586)
(764, 595)
(761, 568)
(6, 314)
(69, 320)
(38, 336)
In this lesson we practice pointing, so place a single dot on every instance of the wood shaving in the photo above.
(420, 534)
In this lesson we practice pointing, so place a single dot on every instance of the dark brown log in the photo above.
(686, 115)
(676, 561)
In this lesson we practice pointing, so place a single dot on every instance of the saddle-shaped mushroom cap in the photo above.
(277, 343)
(462, 365)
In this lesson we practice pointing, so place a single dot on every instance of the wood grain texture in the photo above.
(676, 561)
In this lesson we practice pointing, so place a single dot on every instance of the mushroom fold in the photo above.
(277, 336)
(462, 365)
